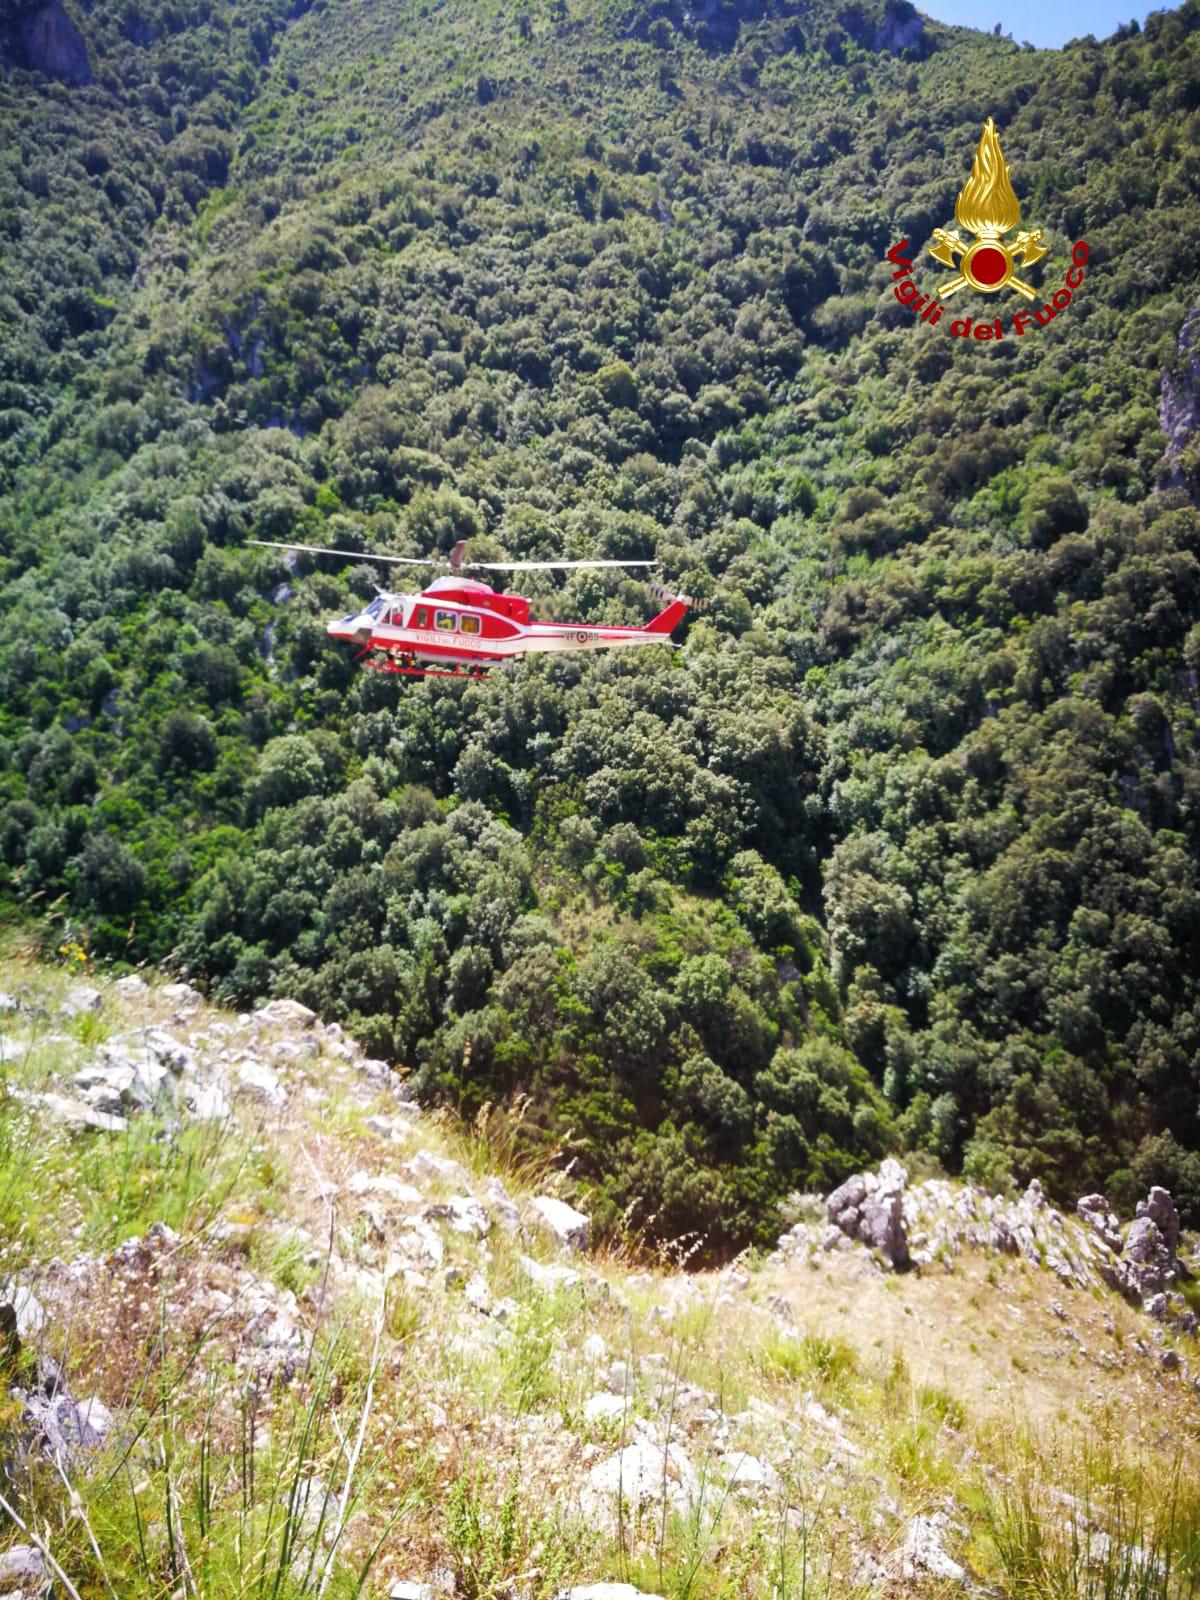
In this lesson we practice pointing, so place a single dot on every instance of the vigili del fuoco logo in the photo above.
(987, 209)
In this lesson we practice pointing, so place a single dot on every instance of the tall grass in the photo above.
(501, 1540)
(1127, 1534)
(232, 1494)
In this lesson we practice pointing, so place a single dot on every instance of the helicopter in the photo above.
(461, 627)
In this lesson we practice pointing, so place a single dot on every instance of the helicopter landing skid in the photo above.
(406, 666)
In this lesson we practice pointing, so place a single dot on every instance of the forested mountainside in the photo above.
(900, 849)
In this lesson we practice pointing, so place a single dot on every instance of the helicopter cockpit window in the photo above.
(375, 609)
(445, 620)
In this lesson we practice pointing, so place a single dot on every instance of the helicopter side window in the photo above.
(421, 617)
(467, 624)
(445, 620)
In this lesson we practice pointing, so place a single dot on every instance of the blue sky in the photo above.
(1047, 25)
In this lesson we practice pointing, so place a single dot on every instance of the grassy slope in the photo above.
(878, 1400)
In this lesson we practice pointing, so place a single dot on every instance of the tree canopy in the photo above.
(901, 847)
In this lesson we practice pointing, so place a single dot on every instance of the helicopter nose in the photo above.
(354, 627)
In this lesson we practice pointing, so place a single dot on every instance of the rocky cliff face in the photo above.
(899, 28)
(1179, 404)
(43, 38)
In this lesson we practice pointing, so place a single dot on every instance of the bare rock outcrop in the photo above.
(43, 38)
(932, 1223)
(569, 1227)
(900, 27)
(1095, 1211)
(1179, 403)
(54, 1422)
(1151, 1244)
(869, 1208)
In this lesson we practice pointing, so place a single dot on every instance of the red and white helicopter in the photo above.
(459, 626)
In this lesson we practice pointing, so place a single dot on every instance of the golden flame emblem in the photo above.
(988, 207)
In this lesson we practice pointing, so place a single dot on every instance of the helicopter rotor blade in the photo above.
(453, 560)
(546, 566)
(353, 555)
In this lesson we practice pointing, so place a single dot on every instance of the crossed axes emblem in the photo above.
(1025, 248)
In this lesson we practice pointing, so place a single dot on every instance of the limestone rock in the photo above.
(605, 1591)
(1095, 1210)
(80, 1000)
(620, 1378)
(65, 1427)
(847, 1197)
(779, 1307)
(502, 1205)
(1160, 1208)
(21, 1568)
(422, 1244)
(115, 1087)
(869, 1208)
(207, 1102)
(181, 995)
(1002, 1238)
(753, 1477)
(274, 1334)
(604, 1407)
(548, 1278)
(256, 1079)
(411, 1589)
(881, 1215)
(1151, 1262)
(131, 1072)
(77, 1114)
(569, 1227)
(901, 29)
(940, 1219)
(138, 1252)
(642, 1472)
(924, 1554)
(425, 1164)
(395, 1189)
(477, 1294)
(288, 1012)
(464, 1214)
(26, 1314)
(378, 1072)
(131, 987)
